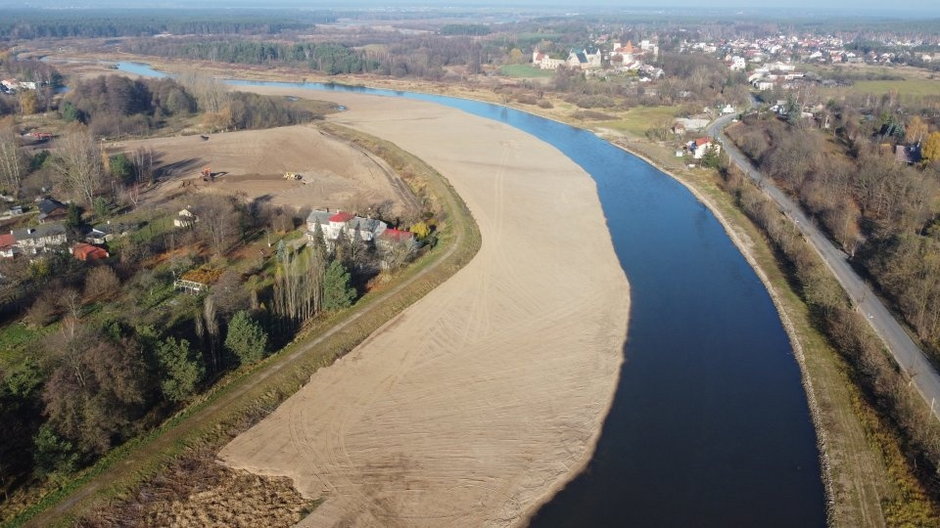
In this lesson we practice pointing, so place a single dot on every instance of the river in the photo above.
(710, 425)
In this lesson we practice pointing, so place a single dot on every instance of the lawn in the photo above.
(638, 120)
(524, 71)
(14, 338)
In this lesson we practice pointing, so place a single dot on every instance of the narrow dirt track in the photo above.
(486, 396)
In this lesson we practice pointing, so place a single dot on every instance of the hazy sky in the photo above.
(906, 8)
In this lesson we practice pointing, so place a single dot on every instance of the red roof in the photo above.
(7, 240)
(342, 217)
(83, 251)
(397, 234)
(702, 141)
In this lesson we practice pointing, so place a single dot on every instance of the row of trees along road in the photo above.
(883, 213)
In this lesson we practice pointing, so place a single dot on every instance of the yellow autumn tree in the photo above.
(931, 150)
(421, 230)
(29, 102)
(916, 130)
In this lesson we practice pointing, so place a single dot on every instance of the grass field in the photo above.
(637, 121)
(13, 341)
(907, 87)
(524, 71)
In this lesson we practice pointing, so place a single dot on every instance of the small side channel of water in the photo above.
(710, 426)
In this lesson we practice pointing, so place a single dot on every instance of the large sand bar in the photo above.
(481, 400)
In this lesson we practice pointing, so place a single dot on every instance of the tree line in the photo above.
(882, 212)
(885, 389)
(32, 24)
(113, 105)
(329, 58)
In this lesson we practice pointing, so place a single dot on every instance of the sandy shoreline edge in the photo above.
(555, 323)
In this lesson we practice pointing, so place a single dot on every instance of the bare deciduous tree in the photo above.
(298, 284)
(78, 162)
(12, 162)
(219, 221)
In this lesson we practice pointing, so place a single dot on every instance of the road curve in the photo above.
(905, 351)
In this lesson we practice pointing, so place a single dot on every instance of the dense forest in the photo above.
(31, 24)
(113, 105)
(327, 58)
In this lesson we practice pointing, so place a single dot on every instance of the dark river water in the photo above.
(710, 426)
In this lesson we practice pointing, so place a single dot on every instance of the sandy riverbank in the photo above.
(481, 400)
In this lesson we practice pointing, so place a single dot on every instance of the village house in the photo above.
(334, 224)
(104, 233)
(51, 210)
(7, 245)
(391, 237)
(185, 219)
(84, 252)
(35, 240)
(700, 146)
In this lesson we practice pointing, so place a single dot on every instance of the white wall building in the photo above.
(333, 224)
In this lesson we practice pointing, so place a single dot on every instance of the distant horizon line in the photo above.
(552, 7)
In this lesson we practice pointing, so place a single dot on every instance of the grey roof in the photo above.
(39, 231)
(48, 205)
(322, 216)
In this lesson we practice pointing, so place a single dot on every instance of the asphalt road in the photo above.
(905, 351)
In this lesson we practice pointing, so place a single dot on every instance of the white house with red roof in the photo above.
(334, 224)
(700, 146)
(7, 245)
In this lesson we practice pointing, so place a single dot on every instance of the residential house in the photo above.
(83, 251)
(700, 146)
(909, 154)
(185, 218)
(335, 224)
(104, 233)
(7, 245)
(391, 237)
(35, 240)
(51, 210)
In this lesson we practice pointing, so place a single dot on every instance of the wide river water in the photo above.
(710, 426)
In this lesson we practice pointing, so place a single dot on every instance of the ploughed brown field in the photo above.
(253, 162)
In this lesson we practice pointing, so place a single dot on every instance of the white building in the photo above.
(185, 218)
(35, 240)
(544, 62)
(700, 146)
(333, 224)
(737, 63)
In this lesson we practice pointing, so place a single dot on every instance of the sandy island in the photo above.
(477, 403)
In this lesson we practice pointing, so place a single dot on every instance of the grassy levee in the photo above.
(869, 477)
(247, 395)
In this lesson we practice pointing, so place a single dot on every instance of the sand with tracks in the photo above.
(253, 162)
(485, 397)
